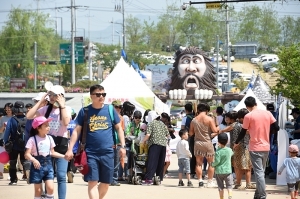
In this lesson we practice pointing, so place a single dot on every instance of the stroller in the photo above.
(138, 165)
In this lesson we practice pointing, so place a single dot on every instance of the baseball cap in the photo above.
(293, 148)
(39, 96)
(19, 104)
(117, 103)
(295, 110)
(57, 89)
(39, 120)
(143, 126)
(270, 107)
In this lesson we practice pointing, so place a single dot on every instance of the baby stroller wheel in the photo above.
(138, 180)
(129, 179)
(156, 180)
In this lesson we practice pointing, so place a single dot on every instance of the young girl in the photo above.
(39, 149)
(167, 159)
(292, 165)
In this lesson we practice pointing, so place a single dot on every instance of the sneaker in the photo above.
(24, 177)
(13, 183)
(201, 184)
(211, 184)
(190, 184)
(115, 184)
(180, 183)
(147, 182)
(70, 176)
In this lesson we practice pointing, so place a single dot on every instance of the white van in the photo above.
(255, 60)
(269, 59)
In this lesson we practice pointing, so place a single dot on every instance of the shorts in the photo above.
(293, 186)
(44, 173)
(224, 177)
(184, 164)
(101, 167)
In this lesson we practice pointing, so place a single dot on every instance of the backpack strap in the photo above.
(83, 131)
(111, 113)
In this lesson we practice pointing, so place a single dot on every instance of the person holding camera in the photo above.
(14, 139)
(61, 117)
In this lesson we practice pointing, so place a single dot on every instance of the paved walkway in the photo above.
(168, 189)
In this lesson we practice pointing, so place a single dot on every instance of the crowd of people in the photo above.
(217, 148)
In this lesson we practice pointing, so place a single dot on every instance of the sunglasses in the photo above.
(143, 130)
(137, 118)
(99, 94)
(52, 95)
(120, 107)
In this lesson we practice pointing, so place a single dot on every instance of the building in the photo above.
(245, 49)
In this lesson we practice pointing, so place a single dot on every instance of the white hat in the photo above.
(39, 96)
(152, 115)
(57, 89)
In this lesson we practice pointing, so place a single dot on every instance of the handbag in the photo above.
(80, 160)
(61, 144)
(9, 146)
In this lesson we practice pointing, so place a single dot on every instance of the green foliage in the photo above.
(289, 71)
(84, 84)
(240, 83)
(108, 55)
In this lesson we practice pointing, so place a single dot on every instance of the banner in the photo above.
(161, 77)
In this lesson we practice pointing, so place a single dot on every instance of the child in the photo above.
(141, 136)
(292, 165)
(39, 150)
(184, 155)
(222, 164)
(167, 159)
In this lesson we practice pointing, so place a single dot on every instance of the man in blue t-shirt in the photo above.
(99, 142)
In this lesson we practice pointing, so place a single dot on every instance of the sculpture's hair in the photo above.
(207, 81)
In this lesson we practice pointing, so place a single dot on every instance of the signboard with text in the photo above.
(17, 83)
(213, 5)
(161, 76)
(66, 51)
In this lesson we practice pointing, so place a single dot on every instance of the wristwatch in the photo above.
(123, 147)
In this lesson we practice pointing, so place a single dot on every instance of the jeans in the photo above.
(116, 163)
(258, 160)
(125, 170)
(61, 170)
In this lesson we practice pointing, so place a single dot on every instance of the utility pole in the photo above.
(89, 16)
(72, 43)
(35, 63)
(113, 31)
(228, 47)
(121, 9)
(72, 7)
(217, 60)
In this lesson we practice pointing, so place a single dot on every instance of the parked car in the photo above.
(259, 58)
(232, 59)
(273, 70)
(267, 66)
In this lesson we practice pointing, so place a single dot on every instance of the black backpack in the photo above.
(188, 120)
(19, 137)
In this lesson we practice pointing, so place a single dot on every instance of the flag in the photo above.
(123, 54)
(137, 69)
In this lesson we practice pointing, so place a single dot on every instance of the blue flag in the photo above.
(123, 54)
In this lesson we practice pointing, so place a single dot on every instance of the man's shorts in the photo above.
(101, 167)
(184, 164)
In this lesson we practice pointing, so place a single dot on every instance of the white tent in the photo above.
(125, 84)
(249, 93)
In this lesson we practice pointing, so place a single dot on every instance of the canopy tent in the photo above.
(262, 90)
(125, 84)
(249, 93)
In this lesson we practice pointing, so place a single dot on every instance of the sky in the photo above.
(94, 17)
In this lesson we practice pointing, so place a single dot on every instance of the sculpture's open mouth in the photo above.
(191, 82)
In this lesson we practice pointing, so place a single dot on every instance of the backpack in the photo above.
(115, 133)
(19, 137)
(188, 120)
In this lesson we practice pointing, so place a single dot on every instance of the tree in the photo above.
(17, 38)
(289, 71)
(108, 55)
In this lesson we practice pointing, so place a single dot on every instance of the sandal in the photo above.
(237, 186)
(250, 186)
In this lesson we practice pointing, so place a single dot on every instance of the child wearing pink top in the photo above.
(167, 159)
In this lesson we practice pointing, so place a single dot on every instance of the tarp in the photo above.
(249, 93)
(262, 91)
(125, 84)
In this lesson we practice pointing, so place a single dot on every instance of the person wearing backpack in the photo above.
(185, 124)
(100, 140)
(61, 117)
(14, 139)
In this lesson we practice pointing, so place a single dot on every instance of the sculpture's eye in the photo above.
(185, 60)
(197, 60)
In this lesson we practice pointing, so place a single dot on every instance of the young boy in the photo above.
(292, 165)
(222, 164)
(184, 155)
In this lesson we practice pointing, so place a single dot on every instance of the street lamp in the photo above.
(61, 26)
(119, 38)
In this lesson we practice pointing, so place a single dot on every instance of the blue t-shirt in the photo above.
(70, 128)
(292, 169)
(100, 132)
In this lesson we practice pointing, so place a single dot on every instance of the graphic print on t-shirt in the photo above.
(44, 147)
(98, 123)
